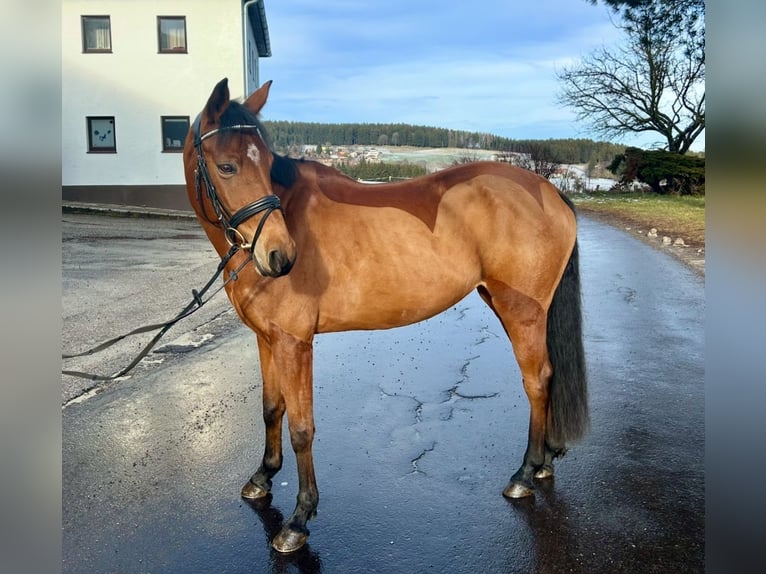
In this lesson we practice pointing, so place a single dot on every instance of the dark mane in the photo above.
(236, 114)
(284, 170)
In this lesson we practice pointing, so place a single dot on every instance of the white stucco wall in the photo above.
(137, 85)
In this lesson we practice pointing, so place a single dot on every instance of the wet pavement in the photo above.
(418, 431)
(119, 273)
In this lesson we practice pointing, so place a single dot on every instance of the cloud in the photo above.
(433, 63)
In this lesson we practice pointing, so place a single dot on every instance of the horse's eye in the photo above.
(227, 169)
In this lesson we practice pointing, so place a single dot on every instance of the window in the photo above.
(171, 31)
(101, 134)
(174, 130)
(96, 34)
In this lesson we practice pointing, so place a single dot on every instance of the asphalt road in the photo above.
(120, 273)
(418, 429)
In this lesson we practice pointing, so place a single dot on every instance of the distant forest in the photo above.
(289, 137)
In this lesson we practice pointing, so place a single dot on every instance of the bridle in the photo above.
(229, 222)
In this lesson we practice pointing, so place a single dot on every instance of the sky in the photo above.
(487, 65)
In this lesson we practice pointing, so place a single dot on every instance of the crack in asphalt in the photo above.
(418, 411)
(485, 336)
(628, 294)
(453, 395)
(414, 462)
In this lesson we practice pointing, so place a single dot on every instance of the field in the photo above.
(672, 216)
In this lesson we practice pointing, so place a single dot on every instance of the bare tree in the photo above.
(466, 158)
(505, 156)
(537, 157)
(655, 82)
(546, 163)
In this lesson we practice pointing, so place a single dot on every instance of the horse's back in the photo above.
(386, 255)
(506, 193)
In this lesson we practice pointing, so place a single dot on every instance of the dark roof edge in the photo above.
(260, 27)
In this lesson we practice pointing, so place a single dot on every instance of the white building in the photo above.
(134, 75)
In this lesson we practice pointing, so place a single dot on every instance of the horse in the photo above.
(314, 251)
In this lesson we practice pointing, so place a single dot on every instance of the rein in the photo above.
(194, 305)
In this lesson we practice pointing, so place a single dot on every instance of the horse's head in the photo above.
(228, 165)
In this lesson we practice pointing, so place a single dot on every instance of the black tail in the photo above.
(568, 388)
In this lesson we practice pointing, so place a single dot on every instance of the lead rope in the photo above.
(196, 303)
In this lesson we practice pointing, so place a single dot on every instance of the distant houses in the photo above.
(333, 155)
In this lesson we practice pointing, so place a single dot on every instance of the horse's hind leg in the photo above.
(259, 484)
(552, 451)
(524, 321)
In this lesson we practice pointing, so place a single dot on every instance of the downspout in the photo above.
(246, 52)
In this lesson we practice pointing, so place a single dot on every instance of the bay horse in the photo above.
(331, 254)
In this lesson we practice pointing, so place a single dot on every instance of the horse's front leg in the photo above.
(293, 359)
(259, 484)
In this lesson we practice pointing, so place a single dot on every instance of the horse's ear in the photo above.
(258, 98)
(218, 101)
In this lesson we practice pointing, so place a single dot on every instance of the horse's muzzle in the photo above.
(279, 264)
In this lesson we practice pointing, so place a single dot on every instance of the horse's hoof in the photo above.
(289, 540)
(544, 472)
(252, 491)
(517, 490)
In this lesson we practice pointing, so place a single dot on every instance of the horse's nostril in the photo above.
(275, 260)
(279, 262)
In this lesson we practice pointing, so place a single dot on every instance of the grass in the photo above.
(674, 216)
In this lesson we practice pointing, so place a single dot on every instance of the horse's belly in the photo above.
(400, 299)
